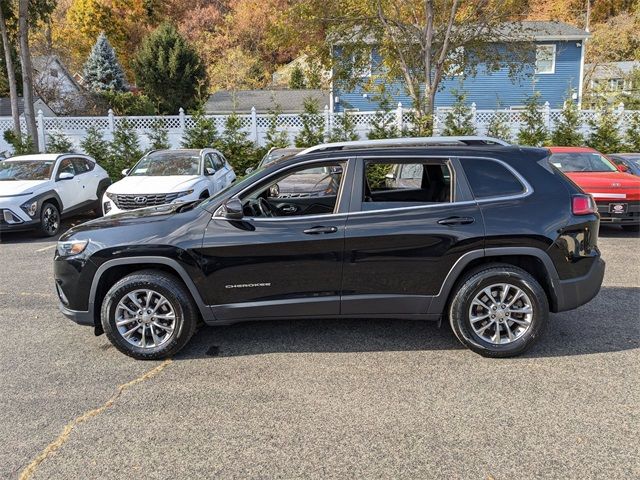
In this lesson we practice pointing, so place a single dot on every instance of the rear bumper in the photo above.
(574, 292)
(630, 217)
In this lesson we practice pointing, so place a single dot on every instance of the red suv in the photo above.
(616, 193)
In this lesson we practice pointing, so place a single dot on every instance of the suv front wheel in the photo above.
(499, 311)
(149, 315)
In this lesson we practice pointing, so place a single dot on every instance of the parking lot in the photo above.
(339, 399)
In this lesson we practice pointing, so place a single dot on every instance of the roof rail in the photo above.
(405, 142)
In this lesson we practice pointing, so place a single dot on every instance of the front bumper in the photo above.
(14, 219)
(574, 292)
(630, 215)
(80, 317)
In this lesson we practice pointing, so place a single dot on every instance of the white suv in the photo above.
(36, 191)
(167, 176)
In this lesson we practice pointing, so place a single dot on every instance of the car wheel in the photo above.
(498, 311)
(631, 228)
(149, 315)
(49, 220)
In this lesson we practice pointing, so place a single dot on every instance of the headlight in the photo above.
(111, 196)
(184, 194)
(71, 247)
(31, 207)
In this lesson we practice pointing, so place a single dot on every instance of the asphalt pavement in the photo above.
(310, 399)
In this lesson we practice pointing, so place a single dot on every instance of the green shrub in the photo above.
(128, 103)
(22, 144)
(236, 146)
(58, 142)
(124, 149)
(202, 134)
(605, 136)
(296, 80)
(533, 131)
(158, 136)
(383, 124)
(344, 129)
(459, 120)
(275, 138)
(312, 132)
(632, 135)
(96, 146)
(499, 126)
(567, 130)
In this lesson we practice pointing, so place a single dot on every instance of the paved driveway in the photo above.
(349, 398)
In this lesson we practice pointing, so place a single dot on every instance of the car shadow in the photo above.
(32, 236)
(615, 231)
(579, 332)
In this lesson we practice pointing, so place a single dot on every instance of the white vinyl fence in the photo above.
(256, 125)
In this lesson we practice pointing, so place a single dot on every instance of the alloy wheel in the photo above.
(145, 319)
(501, 313)
(50, 220)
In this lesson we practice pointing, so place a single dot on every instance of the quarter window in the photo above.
(490, 179)
(407, 184)
(545, 58)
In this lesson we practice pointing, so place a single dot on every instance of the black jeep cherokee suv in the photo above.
(488, 236)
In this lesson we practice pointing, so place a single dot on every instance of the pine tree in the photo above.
(275, 138)
(102, 71)
(312, 132)
(533, 133)
(499, 126)
(459, 120)
(234, 143)
(383, 124)
(96, 146)
(203, 133)
(58, 142)
(169, 70)
(296, 80)
(567, 131)
(22, 144)
(632, 135)
(605, 135)
(344, 129)
(124, 149)
(158, 136)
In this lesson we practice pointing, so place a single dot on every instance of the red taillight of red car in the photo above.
(583, 205)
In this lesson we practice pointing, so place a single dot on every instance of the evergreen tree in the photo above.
(533, 133)
(124, 149)
(383, 124)
(102, 71)
(202, 134)
(58, 142)
(234, 143)
(158, 136)
(312, 132)
(96, 146)
(499, 126)
(567, 130)
(296, 80)
(459, 120)
(169, 70)
(275, 138)
(632, 135)
(22, 144)
(344, 129)
(605, 135)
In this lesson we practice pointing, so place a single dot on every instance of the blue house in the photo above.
(557, 73)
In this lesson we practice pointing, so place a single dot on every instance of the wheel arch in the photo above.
(113, 270)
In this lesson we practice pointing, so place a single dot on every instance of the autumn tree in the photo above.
(169, 70)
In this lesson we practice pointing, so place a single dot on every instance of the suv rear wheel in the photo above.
(149, 315)
(499, 311)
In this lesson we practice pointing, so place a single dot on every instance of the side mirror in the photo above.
(622, 167)
(209, 171)
(249, 170)
(233, 209)
(66, 176)
(390, 176)
(126, 171)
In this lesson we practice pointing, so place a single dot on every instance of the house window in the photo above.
(545, 59)
(53, 72)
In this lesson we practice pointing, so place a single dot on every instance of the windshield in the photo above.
(582, 162)
(162, 164)
(26, 170)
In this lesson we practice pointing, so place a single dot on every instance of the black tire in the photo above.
(186, 313)
(49, 220)
(631, 228)
(474, 283)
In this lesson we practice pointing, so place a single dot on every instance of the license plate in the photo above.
(618, 208)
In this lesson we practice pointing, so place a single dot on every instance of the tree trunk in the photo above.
(11, 74)
(27, 71)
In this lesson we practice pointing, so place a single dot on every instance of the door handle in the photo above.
(289, 209)
(456, 221)
(317, 230)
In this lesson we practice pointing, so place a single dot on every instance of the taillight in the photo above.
(583, 205)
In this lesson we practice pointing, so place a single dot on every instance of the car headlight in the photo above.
(71, 247)
(111, 196)
(184, 194)
(31, 207)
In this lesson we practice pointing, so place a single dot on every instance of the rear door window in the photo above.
(489, 178)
